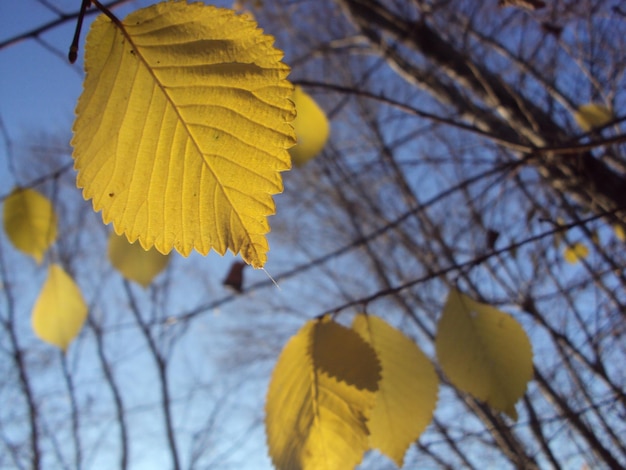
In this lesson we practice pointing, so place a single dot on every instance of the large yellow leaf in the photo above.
(133, 262)
(182, 128)
(312, 128)
(30, 222)
(60, 311)
(484, 352)
(314, 421)
(407, 395)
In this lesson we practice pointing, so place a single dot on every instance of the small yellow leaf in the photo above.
(574, 253)
(619, 232)
(314, 421)
(484, 352)
(407, 395)
(60, 311)
(135, 263)
(312, 128)
(183, 127)
(590, 116)
(30, 222)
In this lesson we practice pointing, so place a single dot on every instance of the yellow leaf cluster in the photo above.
(574, 253)
(314, 420)
(183, 127)
(30, 222)
(337, 392)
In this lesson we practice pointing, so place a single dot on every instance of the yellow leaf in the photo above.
(183, 127)
(60, 311)
(590, 116)
(484, 352)
(575, 252)
(619, 232)
(407, 395)
(312, 128)
(30, 222)
(133, 262)
(314, 421)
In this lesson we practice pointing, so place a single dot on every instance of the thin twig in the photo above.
(509, 166)
(115, 390)
(74, 412)
(515, 146)
(42, 179)
(33, 33)
(20, 364)
(467, 264)
(161, 366)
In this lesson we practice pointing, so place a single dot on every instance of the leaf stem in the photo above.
(108, 13)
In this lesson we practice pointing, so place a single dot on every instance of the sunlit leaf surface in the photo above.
(60, 311)
(133, 262)
(407, 395)
(183, 127)
(590, 116)
(574, 253)
(30, 222)
(312, 128)
(484, 352)
(314, 421)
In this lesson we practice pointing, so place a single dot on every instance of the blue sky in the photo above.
(37, 88)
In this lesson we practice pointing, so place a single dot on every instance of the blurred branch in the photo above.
(357, 242)
(8, 145)
(161, 366)
(348, 90)
(535, 426)
(467, 264)
(115, 390)
(575, 420)
(42, 179)
(20, 364)
(515, 146)
(504, 110)
(78, 459)
(63, 18)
